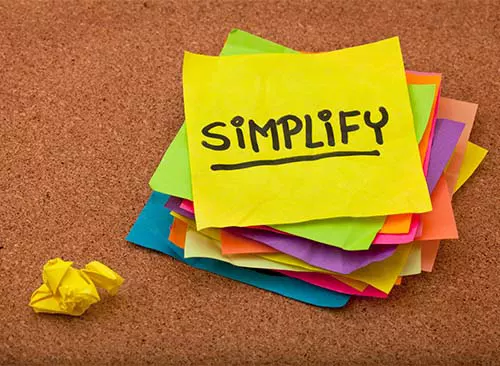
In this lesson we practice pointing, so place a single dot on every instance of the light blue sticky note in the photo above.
(151, 230)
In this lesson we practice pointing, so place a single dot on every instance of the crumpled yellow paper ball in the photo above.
(71, 291)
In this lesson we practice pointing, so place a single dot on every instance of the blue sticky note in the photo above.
(151, 230)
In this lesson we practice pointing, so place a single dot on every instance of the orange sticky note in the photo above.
(428, 251)
(234, 244)
(440, 222)
(396, 224)
(178, 232)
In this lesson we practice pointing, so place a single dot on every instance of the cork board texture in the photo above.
(91, 96)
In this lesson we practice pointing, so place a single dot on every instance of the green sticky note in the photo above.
(239, 42)
(420, 95)
(173, 175)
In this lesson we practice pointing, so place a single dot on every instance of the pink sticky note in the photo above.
(331, 283)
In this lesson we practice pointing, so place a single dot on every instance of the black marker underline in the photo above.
(293, 159)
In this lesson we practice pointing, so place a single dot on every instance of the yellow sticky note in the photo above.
(198, 245)
(358, 285)
(413, 264)
(292, 261)
(270, 134)
(383, 275)
(473, 156)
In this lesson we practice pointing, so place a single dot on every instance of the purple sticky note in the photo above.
(317, 254)
(446, 135)
(174, 204)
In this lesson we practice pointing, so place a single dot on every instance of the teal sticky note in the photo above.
(151, 230)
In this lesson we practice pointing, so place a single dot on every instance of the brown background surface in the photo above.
(91, 96)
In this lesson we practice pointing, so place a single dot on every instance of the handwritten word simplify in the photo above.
(291, 125)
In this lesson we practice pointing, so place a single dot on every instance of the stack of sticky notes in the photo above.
(317, 176)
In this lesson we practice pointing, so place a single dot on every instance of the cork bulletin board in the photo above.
(91, 96)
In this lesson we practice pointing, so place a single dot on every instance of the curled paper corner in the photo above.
(71, 291)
